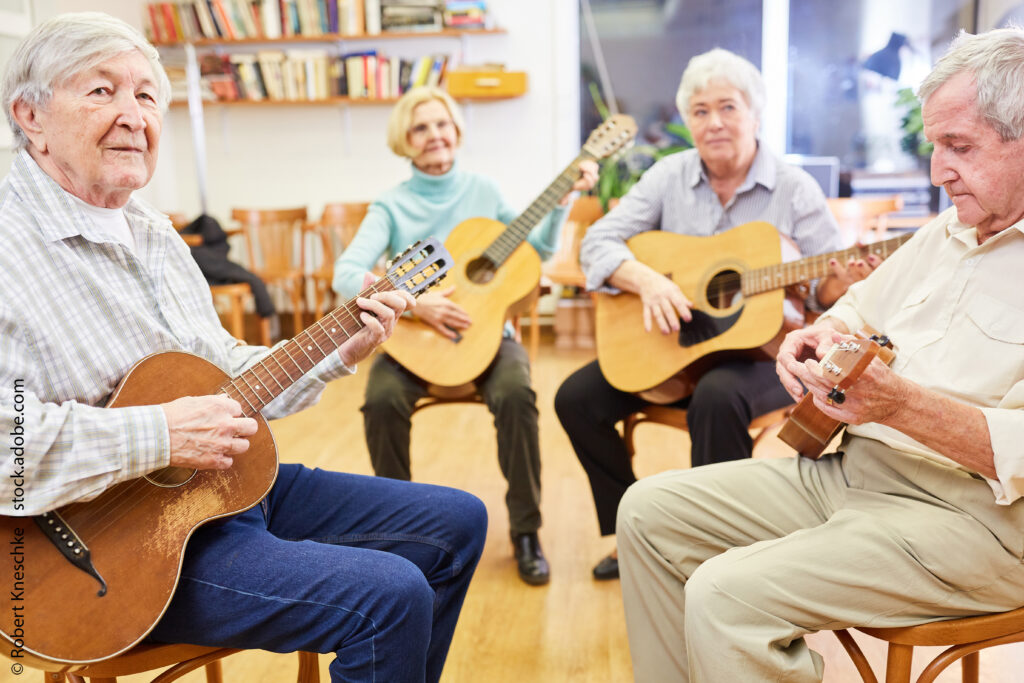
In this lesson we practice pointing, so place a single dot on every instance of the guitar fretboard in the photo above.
(517, 231)
(768, 278)
(282, 367)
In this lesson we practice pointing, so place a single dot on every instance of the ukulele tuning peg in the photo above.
(837, 395)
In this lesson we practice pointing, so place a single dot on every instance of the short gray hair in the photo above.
(63, 47)
(996, 60)
(721, 65)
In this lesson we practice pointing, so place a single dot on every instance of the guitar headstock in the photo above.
(419, 267)
(845, 362)
(611, 136)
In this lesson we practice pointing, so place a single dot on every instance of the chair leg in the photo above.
(628, 427)
(296, 292)
(309, 667)
(237, 316)
(897, 664)
(534, 331)
(265, 331)
(214, 673)
(856, 655)
(971, 666)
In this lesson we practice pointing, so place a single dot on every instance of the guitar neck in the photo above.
(768, 278)
(278, 370)
(520, 228)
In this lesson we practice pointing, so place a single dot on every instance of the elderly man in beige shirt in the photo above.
(919, 515)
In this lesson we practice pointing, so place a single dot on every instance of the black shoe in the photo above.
(607, 569)
(533, 568)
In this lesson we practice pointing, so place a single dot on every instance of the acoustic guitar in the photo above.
(735, 281)
(496, 270)
(97, 576)
(808, 430)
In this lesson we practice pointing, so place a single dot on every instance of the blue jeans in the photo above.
(372, 569)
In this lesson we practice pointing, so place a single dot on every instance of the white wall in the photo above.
(306, 155)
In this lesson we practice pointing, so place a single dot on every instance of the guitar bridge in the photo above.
(69, 544)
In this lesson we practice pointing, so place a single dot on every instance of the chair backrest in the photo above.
(863, 219)
(564, 266)
(333, 232)
(273, 239)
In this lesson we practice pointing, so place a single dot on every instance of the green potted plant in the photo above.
(621, 171)
(913, 141)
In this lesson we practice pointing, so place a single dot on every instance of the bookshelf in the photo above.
(194, 94)
(337, 37)
(319, 69)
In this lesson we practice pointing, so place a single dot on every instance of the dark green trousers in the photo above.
(391, 392)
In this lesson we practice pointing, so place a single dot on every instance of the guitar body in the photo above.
(633, 360)
(135, 531)
(444, 362)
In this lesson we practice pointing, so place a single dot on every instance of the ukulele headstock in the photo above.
(845, 362)
(419, 267)
(612, 135)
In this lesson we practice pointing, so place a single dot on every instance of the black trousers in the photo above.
(718, 415)
(391, 392)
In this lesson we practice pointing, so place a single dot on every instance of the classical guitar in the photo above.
(808, 430)
(98, 575)
(735, 281)
(496, 270)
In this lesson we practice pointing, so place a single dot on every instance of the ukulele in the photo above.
(808, 430)
(496, 270)
(735, 281)
(98, 575)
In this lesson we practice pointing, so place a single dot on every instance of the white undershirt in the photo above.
(111, 222)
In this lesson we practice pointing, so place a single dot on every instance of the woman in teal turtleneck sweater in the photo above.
(426, 126)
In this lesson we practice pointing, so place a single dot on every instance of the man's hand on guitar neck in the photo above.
(664, 303)
(443, 314)
(380, 311)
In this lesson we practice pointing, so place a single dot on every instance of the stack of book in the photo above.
(314, 74)
(191, 20)
(465, 14)
(411, 15)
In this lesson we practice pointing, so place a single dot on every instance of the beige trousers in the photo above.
(726, 567)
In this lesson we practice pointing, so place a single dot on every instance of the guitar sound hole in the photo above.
(169, 477)
(480, 270)
(724, 289)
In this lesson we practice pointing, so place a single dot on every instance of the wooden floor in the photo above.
(569, 630)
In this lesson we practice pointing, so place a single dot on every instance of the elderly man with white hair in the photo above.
(919, 516)
(91, 281)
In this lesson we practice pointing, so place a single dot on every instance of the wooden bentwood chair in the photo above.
(330, 235)
(273, 239)
(863, 220)
(964, 637)
(182, 659)
(236, 294)
(676, 417)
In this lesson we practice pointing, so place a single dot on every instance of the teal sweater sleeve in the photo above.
(431, 206)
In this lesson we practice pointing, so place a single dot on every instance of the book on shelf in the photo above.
(371, 12)
(466, 14)
(196, 20)
(315, 74)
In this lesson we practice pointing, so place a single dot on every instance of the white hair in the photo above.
(996, 61)
(721, 65)
(63, 47)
